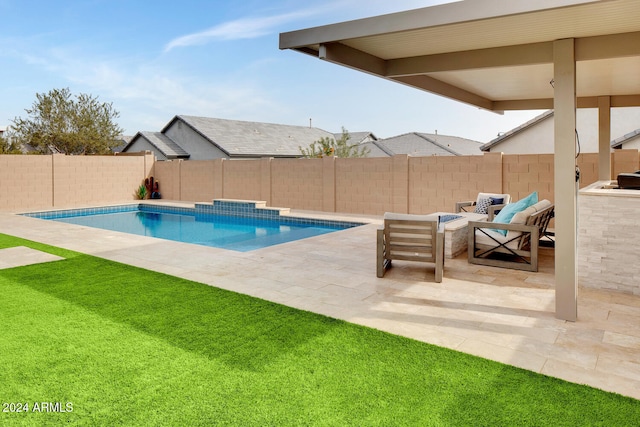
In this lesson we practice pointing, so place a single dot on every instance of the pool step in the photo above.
(246, 208)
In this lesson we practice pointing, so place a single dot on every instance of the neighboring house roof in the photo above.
(123, 141)
(506, 135)
(377, 149)
(618, 142)
(162, 143)
(426, 144)
(357, 137)
(253, 139)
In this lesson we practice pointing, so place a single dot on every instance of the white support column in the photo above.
(564, 105)
(604, 138)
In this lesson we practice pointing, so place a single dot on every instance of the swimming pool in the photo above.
(199, 226)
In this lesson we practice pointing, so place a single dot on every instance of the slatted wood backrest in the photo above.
(410, 240)
(541, 220)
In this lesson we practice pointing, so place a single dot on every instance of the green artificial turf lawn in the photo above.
(127, 346)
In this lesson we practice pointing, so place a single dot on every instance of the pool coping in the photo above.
(222, 207)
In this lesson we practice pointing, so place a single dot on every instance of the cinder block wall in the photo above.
(297, 183)
(89, 180)
(26, 182)
(624, 161)
(241, 179)
(168, 174)
(524, 174)
(363, 185)
(588, 164)
(197, 180)
(369, 186)
(58, 181)
(437, 183)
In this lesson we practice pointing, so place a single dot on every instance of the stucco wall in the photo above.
(634, 144)
(141, 144)
(540, 138)
(192, 142)
(533, 140)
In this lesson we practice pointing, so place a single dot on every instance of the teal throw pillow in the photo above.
(506, 214)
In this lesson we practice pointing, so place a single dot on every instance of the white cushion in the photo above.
(483, 239)
(542, 204)
(522, 216)
(519, 218)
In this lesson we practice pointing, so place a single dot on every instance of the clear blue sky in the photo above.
(216, 58)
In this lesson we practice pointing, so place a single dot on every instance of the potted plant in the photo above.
(141, 192)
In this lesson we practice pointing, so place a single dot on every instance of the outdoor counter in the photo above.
(609, 238)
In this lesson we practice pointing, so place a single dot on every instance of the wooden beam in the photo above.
(617, 101)
(308, 51)
(341, 54)
(625, 101)
(524, 104)
(604, 138)
(432, 85)
(361, 61)
(609, 46)
(508, 56)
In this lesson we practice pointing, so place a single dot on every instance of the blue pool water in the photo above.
(220, 231)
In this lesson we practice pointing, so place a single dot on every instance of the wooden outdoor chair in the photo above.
(486, 203)
(518, 249)
(411, 238)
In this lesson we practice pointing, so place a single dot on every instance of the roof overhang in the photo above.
(492, 54)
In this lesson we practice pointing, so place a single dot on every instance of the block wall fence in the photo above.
(369, 186)
(372, 186)
(38, 182)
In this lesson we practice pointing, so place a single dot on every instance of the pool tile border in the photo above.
(244, 210)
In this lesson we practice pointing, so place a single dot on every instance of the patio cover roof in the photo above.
(507, 55)
(497, 55)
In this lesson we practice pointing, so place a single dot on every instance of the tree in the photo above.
(326, 146)
(7, 146)
(71, 125)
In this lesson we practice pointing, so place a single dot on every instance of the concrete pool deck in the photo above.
(499, 314)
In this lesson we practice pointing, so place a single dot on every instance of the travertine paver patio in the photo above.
(21, 255)
(499, 314)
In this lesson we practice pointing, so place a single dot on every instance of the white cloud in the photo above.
(245, 28)
(148, 94)
(249, 28)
